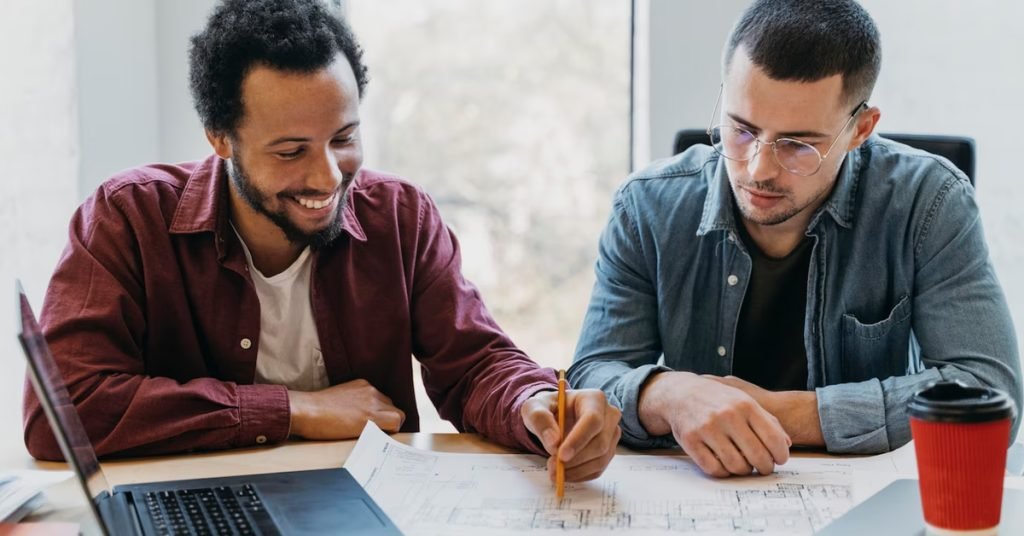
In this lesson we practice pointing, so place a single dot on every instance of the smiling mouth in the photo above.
(315, 204)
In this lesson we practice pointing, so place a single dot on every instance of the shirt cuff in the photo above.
(264, 414)
(625, 395)
(526, 440)
(853, 418)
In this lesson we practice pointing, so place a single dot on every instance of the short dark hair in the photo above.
(289, 35)
(807, 40)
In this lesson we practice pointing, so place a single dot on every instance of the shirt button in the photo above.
(261, 439)
(721, 351)
(732, 279)
(245, 344)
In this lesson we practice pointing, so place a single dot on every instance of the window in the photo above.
(514, 116)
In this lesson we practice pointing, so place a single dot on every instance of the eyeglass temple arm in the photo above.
(714, 112)
(863, 104)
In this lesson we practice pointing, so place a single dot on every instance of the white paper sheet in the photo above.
(17, 488)
(432, 493)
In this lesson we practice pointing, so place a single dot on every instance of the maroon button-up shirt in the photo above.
(151, 300)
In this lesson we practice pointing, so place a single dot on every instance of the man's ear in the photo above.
(865, 125)
(221, 144)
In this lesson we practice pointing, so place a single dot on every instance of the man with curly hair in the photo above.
(277, 288)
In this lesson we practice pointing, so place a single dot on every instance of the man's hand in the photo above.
(723, 429)
(592, 431)
(341, 411)
(797, 411)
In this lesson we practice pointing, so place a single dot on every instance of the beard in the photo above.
(783, 214)
(257, 199)
(750, 213)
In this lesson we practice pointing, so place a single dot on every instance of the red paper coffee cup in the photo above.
(960, 437)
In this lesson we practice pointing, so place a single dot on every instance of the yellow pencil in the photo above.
(559, 466)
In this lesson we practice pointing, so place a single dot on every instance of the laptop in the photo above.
(896, 510)
(323, 501)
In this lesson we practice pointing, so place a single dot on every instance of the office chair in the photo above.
(957, 149)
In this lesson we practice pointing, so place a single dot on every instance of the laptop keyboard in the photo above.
(219, 511)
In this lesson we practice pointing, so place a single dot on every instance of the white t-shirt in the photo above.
(289, 347)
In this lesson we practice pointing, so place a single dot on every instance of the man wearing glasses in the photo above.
(802, 278)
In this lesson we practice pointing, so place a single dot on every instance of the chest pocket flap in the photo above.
(878, 350)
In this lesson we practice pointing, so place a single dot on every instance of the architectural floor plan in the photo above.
(431, 493)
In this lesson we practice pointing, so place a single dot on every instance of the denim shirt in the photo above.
(901, 291)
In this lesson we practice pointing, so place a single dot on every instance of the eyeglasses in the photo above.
(797, 157)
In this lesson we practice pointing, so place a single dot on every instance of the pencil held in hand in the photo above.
(559, 464)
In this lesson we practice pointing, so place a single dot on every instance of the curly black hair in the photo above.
(290, 35)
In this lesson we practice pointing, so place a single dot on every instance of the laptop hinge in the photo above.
(119, 514)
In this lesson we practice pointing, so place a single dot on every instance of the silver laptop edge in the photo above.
(81, 458)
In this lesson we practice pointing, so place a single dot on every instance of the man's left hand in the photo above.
(797, 411)
(591, 431)
(759, 394)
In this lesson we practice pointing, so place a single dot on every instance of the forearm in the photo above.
(623, 385)
(495, 393)
(137, 415)
(871, 416)
(797, 412)
(653, 408)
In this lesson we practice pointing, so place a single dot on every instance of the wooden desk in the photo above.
(68, 503)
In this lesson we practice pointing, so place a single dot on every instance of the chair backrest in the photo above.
(958, 149)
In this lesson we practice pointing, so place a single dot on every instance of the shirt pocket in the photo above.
(878, 350)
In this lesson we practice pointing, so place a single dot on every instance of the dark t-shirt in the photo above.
(770, 334)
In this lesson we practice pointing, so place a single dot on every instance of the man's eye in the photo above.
(342, 141)
(290, 154)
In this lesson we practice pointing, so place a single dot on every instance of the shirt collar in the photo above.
(718, 214)
(203, 206)
(718, 205)
(840, 204)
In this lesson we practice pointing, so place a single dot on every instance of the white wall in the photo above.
(683, 45)
(133, 79)
(181, 132)
(949, 67)
(39, 151)
(115, 50)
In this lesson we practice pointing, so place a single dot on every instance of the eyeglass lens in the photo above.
(739, 144)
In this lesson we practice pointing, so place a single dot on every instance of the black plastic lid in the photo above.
(955, 402)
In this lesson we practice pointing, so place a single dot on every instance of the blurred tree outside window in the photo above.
(514, 117)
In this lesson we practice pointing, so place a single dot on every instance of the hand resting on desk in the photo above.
(721, 427)
(797, 411)
(341, 411)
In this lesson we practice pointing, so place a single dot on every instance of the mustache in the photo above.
(768, 187)
(346, 181)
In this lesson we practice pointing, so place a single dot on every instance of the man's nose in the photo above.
(326, 176)
(763, 166)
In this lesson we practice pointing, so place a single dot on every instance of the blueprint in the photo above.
(430, 493)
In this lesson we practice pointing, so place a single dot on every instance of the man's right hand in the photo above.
(341, 411)
(724, 430)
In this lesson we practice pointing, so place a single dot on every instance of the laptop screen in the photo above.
(53, 395)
